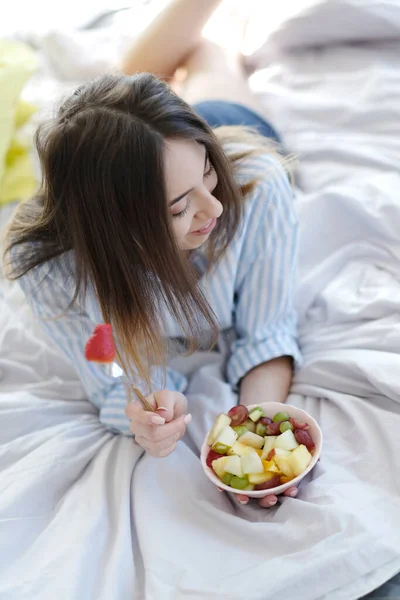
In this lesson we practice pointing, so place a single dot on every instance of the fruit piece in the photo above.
(303, 437)
(273, 429)
(269, 444)
(284, 464)
(257, 478)
(220, 448)
(249, 488)
(281, 416)
(281, 452)
(299, 460)
(220, 422)
(270, 466)
(286, 441)
(299, 424)
(227, 436)
(212, 456)
(239, 483)
(252, 439)
(285, 426)
(261, 429)
(251, 463)
(259, 451)
(240, 449)
(240, 430)
(250, 425)
(271, 483)
(238, 415)
(219, 466)
(233, 466)
(256, 413)
(226, 478)
(265, 421)
(285, 479)
(100, 346)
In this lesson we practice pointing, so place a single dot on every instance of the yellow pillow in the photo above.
(17, 178)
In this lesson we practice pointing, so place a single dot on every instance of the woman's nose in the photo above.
(208, 206)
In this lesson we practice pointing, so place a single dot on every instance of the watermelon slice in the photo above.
(100, 346)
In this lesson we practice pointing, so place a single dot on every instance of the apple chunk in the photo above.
(233, 465)
(251, 464)
(299, 460)
(269, 444)
(240, 449)
(218, 466)
(286, 441)
(252, 439)
(225, 440)
(219, 424)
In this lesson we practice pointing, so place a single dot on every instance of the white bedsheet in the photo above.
(84, 514)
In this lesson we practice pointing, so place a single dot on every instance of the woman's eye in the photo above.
(181, 214)
(209, 171)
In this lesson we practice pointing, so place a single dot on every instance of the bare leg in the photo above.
(215, 74)
(170, 38)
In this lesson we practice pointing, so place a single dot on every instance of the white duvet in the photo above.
(84, 515)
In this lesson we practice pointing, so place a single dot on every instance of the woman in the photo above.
(170, 231)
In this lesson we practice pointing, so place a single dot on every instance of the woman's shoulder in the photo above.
(54, 273)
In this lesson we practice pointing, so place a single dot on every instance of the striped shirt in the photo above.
(251, 291)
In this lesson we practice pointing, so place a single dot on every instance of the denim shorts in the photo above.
(219, 112)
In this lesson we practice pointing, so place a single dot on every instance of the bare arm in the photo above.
(173, 34)
(269, 382)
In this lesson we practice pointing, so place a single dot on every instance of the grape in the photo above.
(299, 424)
(240, 430)
(238, 415)
(281, 416)
(271, 483)
(273, 429)
(212, 456)
(261, 429)
(284, 426)
(250, 426)
(239, 483)
(303, 437)
(265, 420)
(226, 478)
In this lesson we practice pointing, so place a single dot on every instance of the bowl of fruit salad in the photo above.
(261, 449)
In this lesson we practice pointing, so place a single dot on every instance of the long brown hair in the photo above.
(103, 197)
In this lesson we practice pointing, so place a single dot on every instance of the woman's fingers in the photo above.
(268, 501)
(136, 413)
(159, 445)
(291, 492)
(242, 499)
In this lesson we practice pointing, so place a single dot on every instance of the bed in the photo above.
(84, 514)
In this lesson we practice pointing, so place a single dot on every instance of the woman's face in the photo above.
(190, 181)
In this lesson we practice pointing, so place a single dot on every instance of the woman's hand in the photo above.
(270, 500)
(159, 432)
(266, 501)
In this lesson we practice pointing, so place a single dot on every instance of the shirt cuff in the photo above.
(248, 356)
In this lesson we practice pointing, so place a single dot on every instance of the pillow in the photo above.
(17, 63)
(328, 22)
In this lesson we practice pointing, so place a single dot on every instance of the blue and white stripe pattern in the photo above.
(251, 290)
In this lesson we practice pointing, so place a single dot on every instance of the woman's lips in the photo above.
(206, 229)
